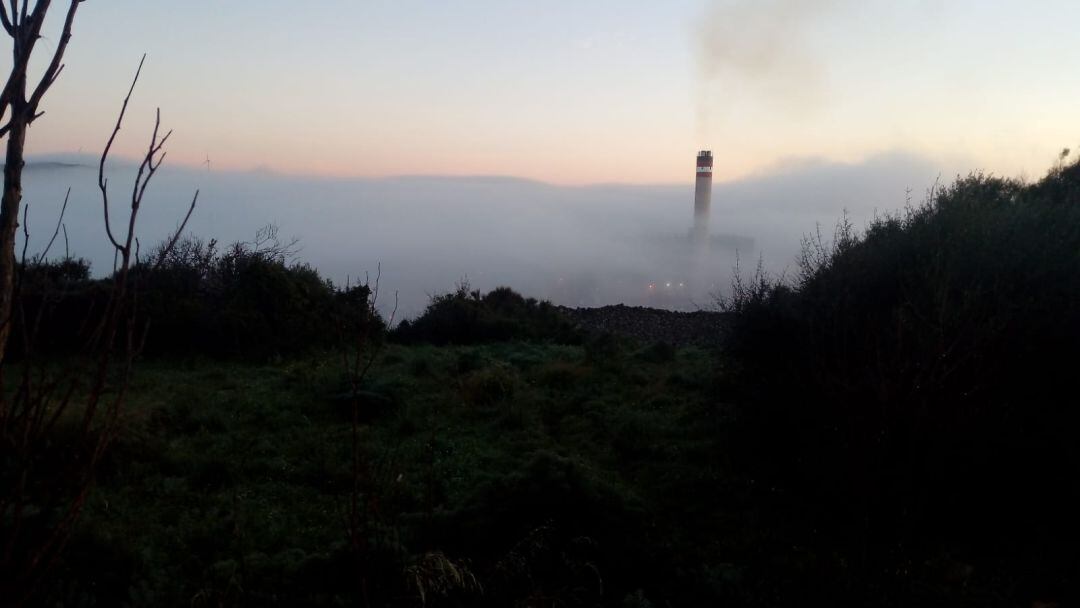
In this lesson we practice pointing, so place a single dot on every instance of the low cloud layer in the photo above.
(586, 246)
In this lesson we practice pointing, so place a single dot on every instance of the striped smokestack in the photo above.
(702, 197)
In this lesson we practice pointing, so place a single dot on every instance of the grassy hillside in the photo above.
(545, 471)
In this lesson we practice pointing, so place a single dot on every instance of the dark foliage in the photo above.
(249, 300)
(552, 533)
(914, 388)
(59, 301)
(466, 316)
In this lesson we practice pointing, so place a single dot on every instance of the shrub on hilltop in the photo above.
(466, 316)
(250, 299)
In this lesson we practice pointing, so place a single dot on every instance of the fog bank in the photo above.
(579, 246)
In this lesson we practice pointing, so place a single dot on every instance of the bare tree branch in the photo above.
(176, 235)
(9, 27)
(103, 183)
(59, 223)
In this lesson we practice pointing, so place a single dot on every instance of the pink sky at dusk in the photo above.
(608, 92)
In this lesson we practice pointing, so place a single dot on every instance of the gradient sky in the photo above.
(572, 92)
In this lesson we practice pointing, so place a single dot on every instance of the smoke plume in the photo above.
(758, 50)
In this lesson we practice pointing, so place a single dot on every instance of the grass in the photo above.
(229, 484)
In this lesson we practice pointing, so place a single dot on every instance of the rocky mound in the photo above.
(699, 328)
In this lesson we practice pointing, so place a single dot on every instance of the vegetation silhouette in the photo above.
(59, 417)
(250, 300)
(912, 388)
(465, 316)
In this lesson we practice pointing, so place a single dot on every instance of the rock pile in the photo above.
(699, 328)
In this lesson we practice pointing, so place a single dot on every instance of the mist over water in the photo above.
(577, 246)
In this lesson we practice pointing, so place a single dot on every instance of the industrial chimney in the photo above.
(702, 198)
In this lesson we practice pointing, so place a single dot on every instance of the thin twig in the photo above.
(59, 222)
(103, 184)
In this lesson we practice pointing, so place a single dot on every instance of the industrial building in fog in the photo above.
(691, 262)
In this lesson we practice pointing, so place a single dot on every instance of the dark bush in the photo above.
(249, 300)
(914, 385)
(468, 317)
(59, 303)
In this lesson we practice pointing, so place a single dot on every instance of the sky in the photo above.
(571, 93)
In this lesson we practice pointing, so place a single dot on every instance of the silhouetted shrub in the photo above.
(914, 383)
(249, 300)
(58, 302)
(466, 316)
(59, 272)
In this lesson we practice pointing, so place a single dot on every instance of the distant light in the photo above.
(681, 285)
(668, 285)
